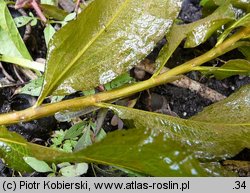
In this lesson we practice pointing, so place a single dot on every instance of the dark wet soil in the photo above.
(183, 102)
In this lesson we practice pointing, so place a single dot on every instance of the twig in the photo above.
(77, 5)
(6, 74)
(17, 74)
(185, 82)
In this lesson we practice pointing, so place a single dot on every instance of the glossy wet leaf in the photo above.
(140, 150)
(201, 33)
(211, 4)
(244, 21)
(145, 151)
(110, 37)
(233, 112)
(230, 68)
(13, 148)
(10, 39)
(195, 33)
(221, 131)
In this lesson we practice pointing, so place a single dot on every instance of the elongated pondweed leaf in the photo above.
(195, 33)
(10, 39)
(107, 39)
(220, 131)
(140, 150)
(145, 151)
(230, 68)
(211, 4)
(244, 21)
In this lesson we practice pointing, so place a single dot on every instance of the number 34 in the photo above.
(240, 185)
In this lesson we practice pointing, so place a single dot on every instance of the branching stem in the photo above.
(82, 102)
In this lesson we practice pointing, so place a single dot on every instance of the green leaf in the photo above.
(53, 11)
(58, 137)
(70, 17)
(85, 140)
(111, 37)
(53, 166)
(49, 2)
(245, 50)
(51, 174)
(49, 31)
(68, 115)
(119, 81)
(244, 21)
(10, 39)
(204, 2)
(33, 87)
(69, 145)
(101, 135)
(13, 148)
(211, 4)
(37, 165)
(195, 33)
(136, 149)
(22, 20)
(198, 34)
(75, 130)
(74, 170)
(144, 151)
(63, 164)
(33, 22)
(221, 131)
(230, 68)
(160, 145)
(231, 113)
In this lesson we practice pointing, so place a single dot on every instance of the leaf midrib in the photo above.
(87, 46)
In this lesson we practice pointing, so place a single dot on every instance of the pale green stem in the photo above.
(82, 102)
(211, 69)
(23, 62)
